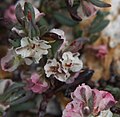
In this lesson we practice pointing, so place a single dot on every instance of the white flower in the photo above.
(61, 70)
(105, 113)
(71, 62)
(33, 48)
(62, 36)
(59, 32)
(53, 67)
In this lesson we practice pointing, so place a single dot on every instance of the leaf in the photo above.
(19, 14)
(56, 45)
(29, 11)
(116, 115)
(42, 22)
(32, 29)
(15, 43)
(72, 11)
(99, 3)
(114, 90)
(100, 26)
(43, 30)
(64, 20)
(11, 89)
(15, 86)
(16, 95)
(93, 38)
(27, 95)
(23, 107)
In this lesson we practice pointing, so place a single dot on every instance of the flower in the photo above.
(59, 32)
(101, 51)
(73, 109)
(10, 14)
(82, 93)
(93, 103)
(86, 9)
(103, 100)
(106, 113)
(71, 62)
(62, 36)
(33, 48)
(10, 62)
(53, 67)
(62, 70)
(36, 85)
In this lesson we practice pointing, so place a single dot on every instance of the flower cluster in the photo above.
(62, 69)
(43, 59)
(89, 102)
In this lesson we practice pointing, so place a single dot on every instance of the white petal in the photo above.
(59, 32)
(106, 113)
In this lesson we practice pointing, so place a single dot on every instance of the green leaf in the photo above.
(15, 43)
(100, 26)
(43, 30)
(29, 11)
(93, 38)
(99, 3)
(15, 86)
(16, 95)
(64, 20)
(114, 90)
(19, 14)
(11, 90)
(42, 22)
(56, 45)
(32, 29)
(23, 107)
(116, 115)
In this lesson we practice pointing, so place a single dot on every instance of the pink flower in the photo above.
(88, 102)
(36, 85)
(10, 14)
(82, 93)
(73, 109)
(103, 100)
(101, 51)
